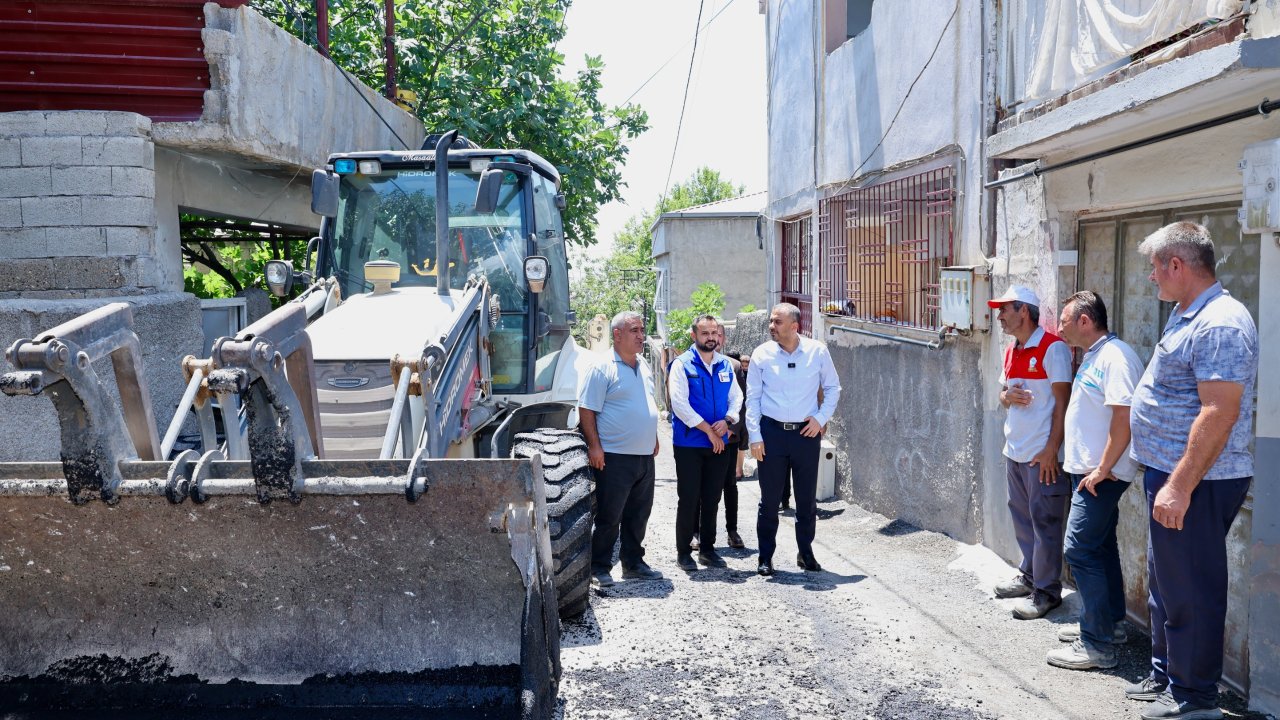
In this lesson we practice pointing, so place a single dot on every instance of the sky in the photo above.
(724, 119)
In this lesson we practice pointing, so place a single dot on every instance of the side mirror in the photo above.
(536, 269)
(279, 277)
(487, 191)
(324, 193)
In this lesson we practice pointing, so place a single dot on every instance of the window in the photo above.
(1110, 265)
(845, 19)
(883, 247)
(796, 268)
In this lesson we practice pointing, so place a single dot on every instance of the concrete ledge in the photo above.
(168, 326)
(1176, 93)
(277, 102)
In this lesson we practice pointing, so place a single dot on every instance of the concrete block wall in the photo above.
(77, 205)
(78, 231)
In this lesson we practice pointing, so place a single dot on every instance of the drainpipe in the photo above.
(389, 47)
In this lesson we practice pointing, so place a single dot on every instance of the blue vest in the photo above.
(708, 395)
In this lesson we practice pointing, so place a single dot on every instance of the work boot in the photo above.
(1166, 707)
(1079, 655)
(1036, 606)
(602, 579)
(711, 558)
(640, 571)
(685, 562)
(1071, 633)
(1018, 586)
(1148, 688)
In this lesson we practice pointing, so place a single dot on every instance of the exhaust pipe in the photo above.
(442, 211)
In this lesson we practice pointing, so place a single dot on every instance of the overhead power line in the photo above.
(677, 52)
(683, 102)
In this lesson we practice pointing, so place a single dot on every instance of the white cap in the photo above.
(1015, 293)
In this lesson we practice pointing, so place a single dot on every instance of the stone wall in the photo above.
(78, 231)
(77, 215)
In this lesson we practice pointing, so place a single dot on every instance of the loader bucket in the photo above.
(361, 595)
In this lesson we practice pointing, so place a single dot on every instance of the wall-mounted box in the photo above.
(963, 298)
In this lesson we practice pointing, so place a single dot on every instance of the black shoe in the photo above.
(808, 563)
(711, 558)
(1036, 606)
(1147, 689)
(766, 568)
(786, 505)
(735, 540)
(685, 561)
(640, 571)
(1015, 587)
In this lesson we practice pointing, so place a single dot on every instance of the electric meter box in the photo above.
(1260, 166)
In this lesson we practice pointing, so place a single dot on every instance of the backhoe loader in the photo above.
(388, 506)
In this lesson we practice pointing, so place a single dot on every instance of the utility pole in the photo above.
(389, 46)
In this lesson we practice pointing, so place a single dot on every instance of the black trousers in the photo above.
(731, 489)
(699, 482)
(624, 499)
(730, 497)
(787, 453)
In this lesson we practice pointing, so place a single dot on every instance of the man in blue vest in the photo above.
(705, 400)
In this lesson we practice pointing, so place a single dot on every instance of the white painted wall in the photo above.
(790, 80)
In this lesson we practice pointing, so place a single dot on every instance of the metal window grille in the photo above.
(797, 269)
(883, 247)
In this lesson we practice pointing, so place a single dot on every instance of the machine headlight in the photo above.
(370, 167)
(536, 269)
(279, 277)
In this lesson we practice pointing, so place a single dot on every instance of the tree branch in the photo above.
(209, 258)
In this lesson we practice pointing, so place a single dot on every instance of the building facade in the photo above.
(1032, 142)
(720, 242)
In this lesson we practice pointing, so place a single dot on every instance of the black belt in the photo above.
(788, 426)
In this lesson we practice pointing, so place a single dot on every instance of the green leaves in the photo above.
(489, 68)
(626, 280)
(707, 299)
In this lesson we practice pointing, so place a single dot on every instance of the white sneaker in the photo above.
(1071, 633)
(1079, 656)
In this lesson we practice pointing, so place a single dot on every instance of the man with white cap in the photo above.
(1035, 387)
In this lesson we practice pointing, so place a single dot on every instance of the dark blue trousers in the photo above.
(1187, 577)
(1094, 556)
(787, 453)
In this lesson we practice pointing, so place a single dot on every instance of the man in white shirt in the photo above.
(784, 424)
(705, 399)
(1099, 468)
(1035, 387)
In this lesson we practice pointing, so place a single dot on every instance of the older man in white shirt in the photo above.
(784, 423)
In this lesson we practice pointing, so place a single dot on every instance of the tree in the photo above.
(706, 299)
(490, 69)
(625, 280)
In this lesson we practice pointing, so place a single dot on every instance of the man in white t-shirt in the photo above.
(1098, 464)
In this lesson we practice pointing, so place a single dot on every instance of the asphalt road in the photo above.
(900, 624)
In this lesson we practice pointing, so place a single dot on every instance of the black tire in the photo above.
(571, 505)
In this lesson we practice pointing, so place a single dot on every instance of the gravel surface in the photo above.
(899, 624)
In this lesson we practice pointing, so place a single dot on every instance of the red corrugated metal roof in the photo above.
(144, 56)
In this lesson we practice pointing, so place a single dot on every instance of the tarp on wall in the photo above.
(1067, 43)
